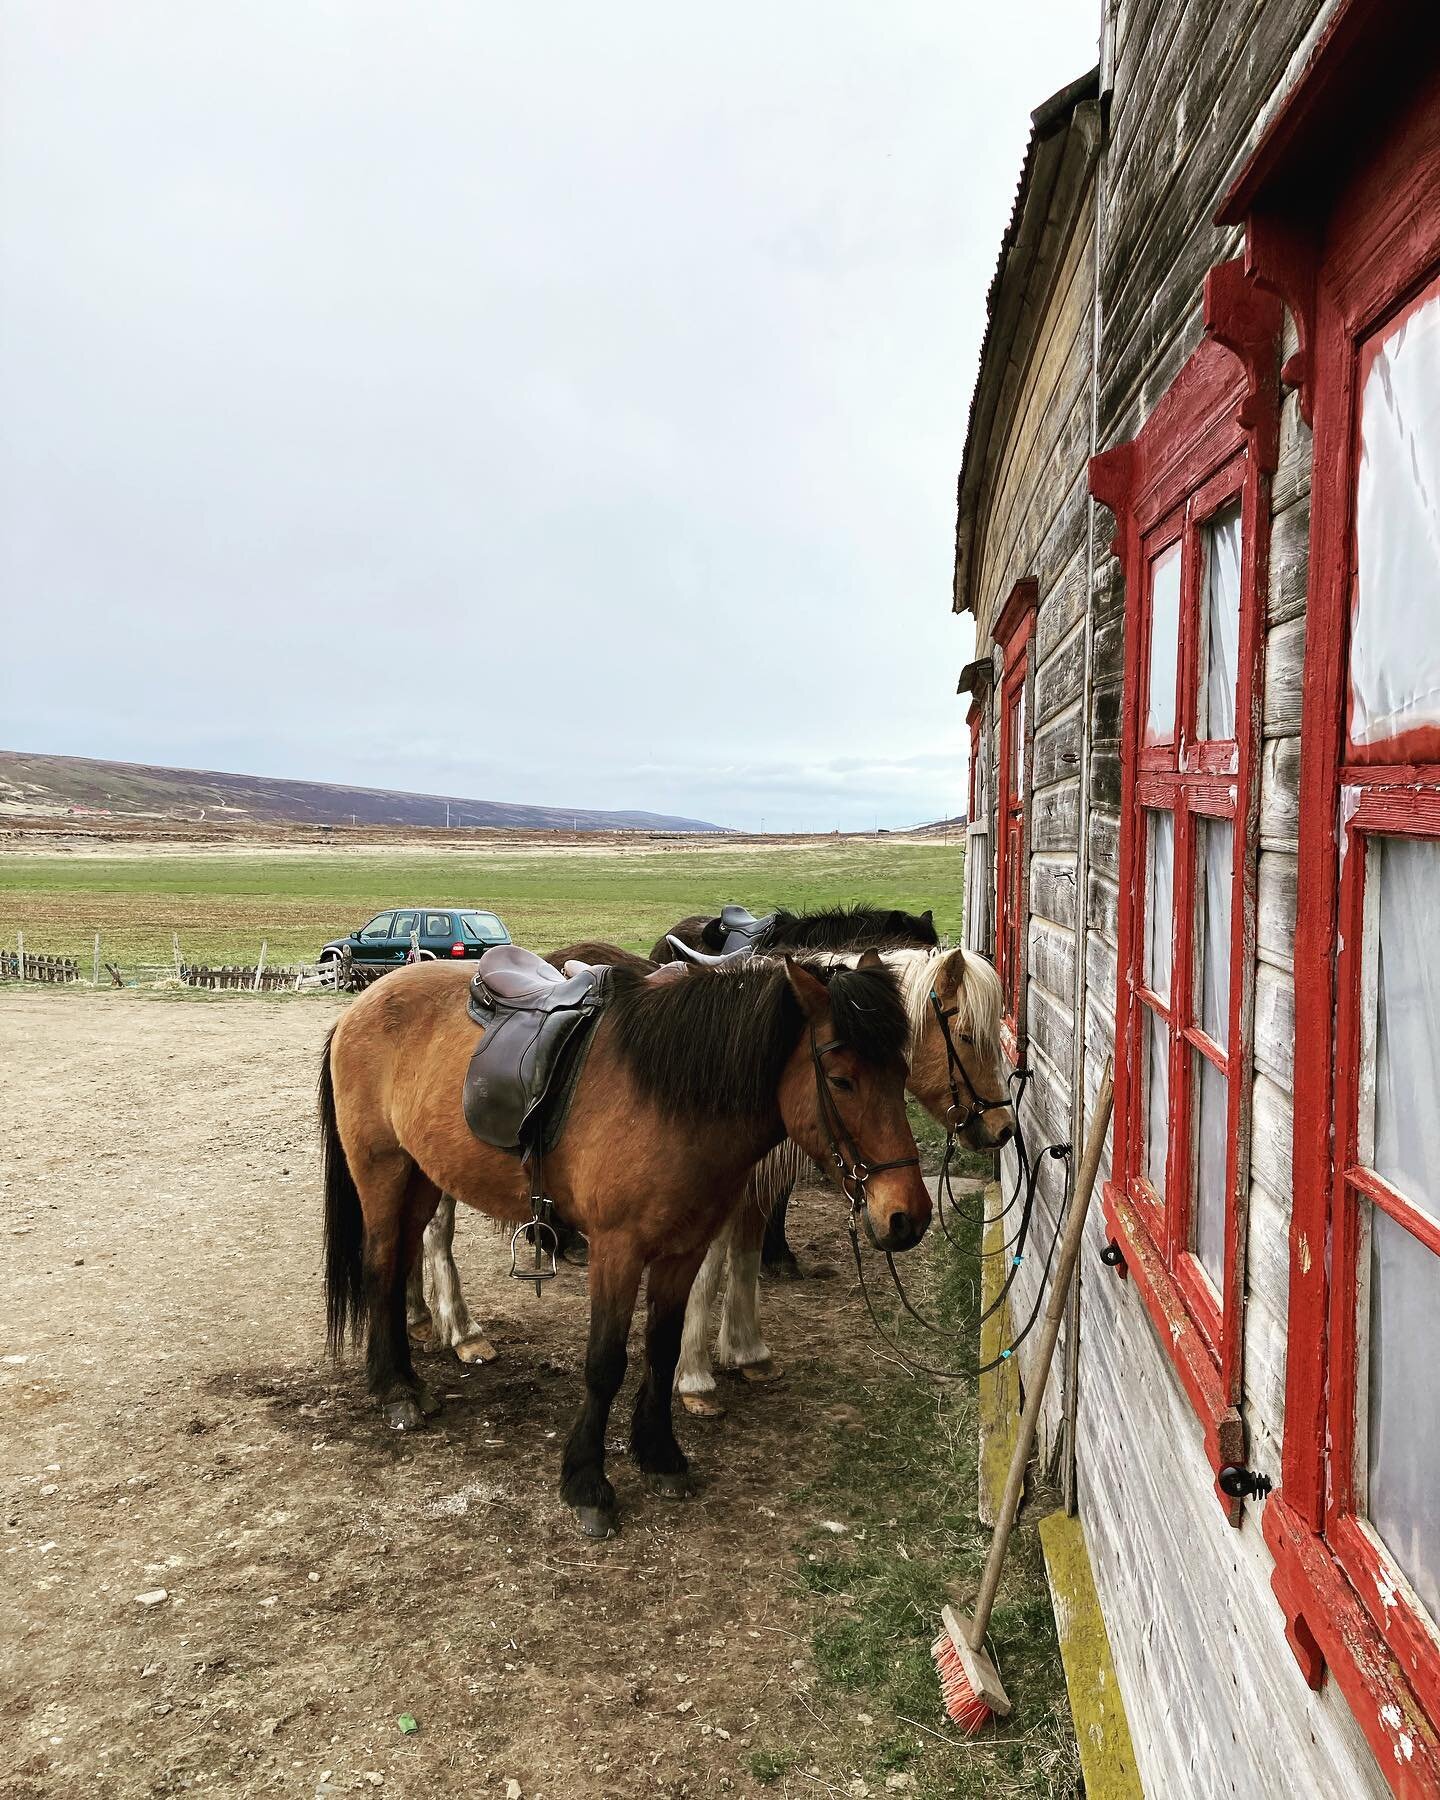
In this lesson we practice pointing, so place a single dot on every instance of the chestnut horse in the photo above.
(688, 1083)
(950, 993)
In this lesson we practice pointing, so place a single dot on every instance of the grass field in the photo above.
(223, 905)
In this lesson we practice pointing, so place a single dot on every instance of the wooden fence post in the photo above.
(175, 946)
(96, 981)
(259, 967)
(20, 955)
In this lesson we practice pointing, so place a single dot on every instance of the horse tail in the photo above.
(344, 1221)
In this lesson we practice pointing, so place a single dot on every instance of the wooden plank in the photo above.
(1097, 1708)
(999, 1395)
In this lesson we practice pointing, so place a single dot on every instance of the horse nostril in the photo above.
(1004, 1137)
(902, 1231)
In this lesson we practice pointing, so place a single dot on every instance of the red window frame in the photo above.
(1348, 269)
(1209, 443)
(1013, 631)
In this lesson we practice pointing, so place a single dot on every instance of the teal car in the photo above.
(444, 932)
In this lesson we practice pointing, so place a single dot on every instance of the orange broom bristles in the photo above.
(962, 1704)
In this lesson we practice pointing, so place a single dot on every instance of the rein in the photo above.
(1027, 1178)
(851, 1167)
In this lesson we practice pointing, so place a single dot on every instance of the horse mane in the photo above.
(714, 1044)
(979, 997)
(847, 928)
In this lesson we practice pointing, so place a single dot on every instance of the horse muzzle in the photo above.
(898, 1218)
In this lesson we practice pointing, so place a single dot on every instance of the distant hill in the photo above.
(62, 785)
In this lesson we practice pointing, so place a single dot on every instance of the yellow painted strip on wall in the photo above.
(1107, 1757)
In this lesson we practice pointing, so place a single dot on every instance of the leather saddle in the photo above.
(538, 1024)
(741, 928)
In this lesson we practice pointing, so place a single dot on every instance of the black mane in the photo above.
(849, 928)
(715, 1043)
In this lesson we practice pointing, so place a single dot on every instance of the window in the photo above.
(404, 924)
(1354, 1527)
(483, 928)
(977, 840)
(1012, 639)
(437, 925)
(1190, 498)
(1186, 977)
(377, 928)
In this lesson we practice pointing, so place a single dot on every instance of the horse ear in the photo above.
(807, 989)
(870, 960)
(927, 918)
(953, 966)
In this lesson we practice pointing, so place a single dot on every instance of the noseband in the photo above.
(955, 1120)
(851, 1168)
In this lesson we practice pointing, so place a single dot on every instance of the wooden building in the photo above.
(1199, 532)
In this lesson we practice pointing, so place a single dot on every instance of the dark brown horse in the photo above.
(831, 928)
(689, 1082)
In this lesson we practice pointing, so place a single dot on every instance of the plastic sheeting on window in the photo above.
(1404, 1447)
(1157, 1099)
(1159, 903)
(1222, 624)
(1395, 640)
(1216, 850)
(1164, 646)
(1017, 749)
(1212, 1143)
(1403, 880)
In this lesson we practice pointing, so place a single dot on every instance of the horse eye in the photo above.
(843, 1082)
(966, 1038)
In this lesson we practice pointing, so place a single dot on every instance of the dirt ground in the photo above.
(172, 1423)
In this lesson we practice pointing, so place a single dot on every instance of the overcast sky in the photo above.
(541, 402)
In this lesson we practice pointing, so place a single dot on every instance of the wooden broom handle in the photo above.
(1040, 1374)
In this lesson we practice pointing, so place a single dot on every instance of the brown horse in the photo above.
(689, 1082)
(829, 928)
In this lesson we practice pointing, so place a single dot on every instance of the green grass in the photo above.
(221, 906)
(903, 1481)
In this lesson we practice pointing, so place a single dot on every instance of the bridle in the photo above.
(852, 1169)
(955, 1120)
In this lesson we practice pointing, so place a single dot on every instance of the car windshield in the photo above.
(483, 928)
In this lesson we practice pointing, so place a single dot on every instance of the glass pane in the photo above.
(1395, 639)
(1017, 747)
(1164, 646)
(1212, 1140)
(1215, 851)
(1222, 624)
(1404, 1446)
(1159, 903)
(1403, 882)
(1157, 1098)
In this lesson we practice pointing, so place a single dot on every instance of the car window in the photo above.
(437, 924)
(483, 928)
(404, 925)
(378, 928)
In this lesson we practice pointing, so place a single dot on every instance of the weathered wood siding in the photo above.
(1033, 524)
(1215, 1699)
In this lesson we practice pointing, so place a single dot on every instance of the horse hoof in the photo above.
(784, 1269)
(703, 1406)
(597, 1521)
(675, 1486)
(476, 1350)
(403, 1414)
(759, 1373)
(421, 1331)
(428, 1401)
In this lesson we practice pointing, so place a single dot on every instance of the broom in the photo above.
(970, 1684)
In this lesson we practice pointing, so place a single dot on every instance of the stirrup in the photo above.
(545, 1242)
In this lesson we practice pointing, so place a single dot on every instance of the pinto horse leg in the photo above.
(695, 1379)
(614, 1282)
(652, 1432)
(741, 1345)
(452, 1328)
(398, 1201)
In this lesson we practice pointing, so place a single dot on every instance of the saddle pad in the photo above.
(525, 1069)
